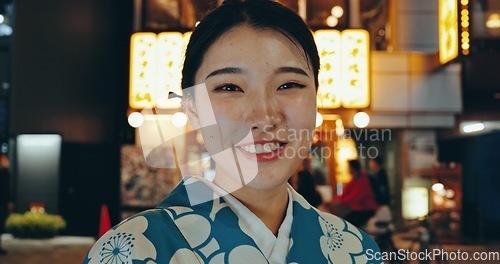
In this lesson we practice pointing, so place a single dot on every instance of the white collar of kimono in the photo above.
(275, 249)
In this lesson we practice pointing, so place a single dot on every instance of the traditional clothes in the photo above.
(223, 230)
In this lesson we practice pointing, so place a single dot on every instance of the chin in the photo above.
(268, 180)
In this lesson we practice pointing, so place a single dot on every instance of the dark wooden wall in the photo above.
(70, 76)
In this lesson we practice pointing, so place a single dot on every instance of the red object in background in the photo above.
(105, 221)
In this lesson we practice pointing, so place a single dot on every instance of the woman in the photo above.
(250, 78)
(358, 196)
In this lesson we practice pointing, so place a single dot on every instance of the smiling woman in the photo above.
(250, 80)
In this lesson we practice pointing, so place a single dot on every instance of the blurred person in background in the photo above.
(358, 196)
(306, 185)
(379, 181)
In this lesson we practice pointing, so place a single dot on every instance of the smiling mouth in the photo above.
(262, 148)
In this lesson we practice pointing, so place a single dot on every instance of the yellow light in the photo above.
(448, 30)
(464, 12)
(465, 34)
(465, 46)
(169, 66)
(437, 187)
(465, 40)
(332, 21)
(465, 52)
(438, 200)
(135, 119)
(415, 202)
(465, 24)
(155, 69)
(344, 74)
(142, 69)
(361, 119)
(355, 69)
(329, 44)
(450, 193)
(179, 119)
(493, 21)
(319, 119)
(345, 150)
(337, 11)
(37, 209)
(464, 2)
(339, 128)
(464, 18)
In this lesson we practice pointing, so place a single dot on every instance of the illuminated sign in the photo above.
(448, 30)
(156, 69)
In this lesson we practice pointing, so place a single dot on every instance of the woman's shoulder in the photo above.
(338, 238)
(138, 238)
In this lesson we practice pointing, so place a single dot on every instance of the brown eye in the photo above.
(290, 85)
(228, 88)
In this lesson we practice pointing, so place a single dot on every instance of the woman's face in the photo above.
(261, 89)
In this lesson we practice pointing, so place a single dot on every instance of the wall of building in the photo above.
(70, 68)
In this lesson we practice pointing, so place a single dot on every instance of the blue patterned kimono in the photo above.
(222, 230)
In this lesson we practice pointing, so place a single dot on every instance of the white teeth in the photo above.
(258, 149)
(267, 148)
(261, 148)
(275, 146)
(251, 148)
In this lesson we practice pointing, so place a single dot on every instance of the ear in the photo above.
(189, 108)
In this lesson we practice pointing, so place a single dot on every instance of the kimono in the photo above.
(223, 230)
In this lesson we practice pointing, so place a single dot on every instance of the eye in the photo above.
(291, 85)
(228, 88)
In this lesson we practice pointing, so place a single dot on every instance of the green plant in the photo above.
(30, 225)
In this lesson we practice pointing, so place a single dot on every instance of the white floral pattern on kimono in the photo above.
(176, 232)
(124, 243)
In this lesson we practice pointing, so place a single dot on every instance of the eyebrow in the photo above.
(227, 70)
(236, 70)
(291, 70)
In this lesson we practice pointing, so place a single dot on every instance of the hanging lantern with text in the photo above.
(156, 68)
(448, 30)
(344, 77)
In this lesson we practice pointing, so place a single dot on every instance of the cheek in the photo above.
(228, 116)
(302, 114)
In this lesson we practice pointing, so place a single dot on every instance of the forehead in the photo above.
(267, 44)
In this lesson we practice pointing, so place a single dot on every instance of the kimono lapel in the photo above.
(274, 248)
(212, 229)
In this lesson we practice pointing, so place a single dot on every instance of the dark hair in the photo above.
(379, 160)
(355, 165)
(261, 14)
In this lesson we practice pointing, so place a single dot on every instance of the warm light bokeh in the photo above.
(448, 30)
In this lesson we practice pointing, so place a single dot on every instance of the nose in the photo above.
(264, 113)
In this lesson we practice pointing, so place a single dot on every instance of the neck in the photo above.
(269, 205)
